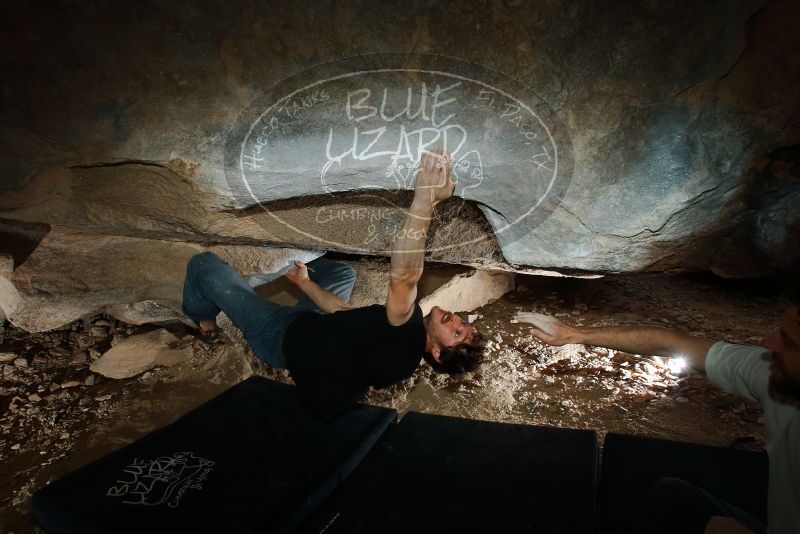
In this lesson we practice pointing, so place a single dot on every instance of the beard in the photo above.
(784, 388)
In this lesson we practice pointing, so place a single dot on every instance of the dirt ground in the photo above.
(57, 415)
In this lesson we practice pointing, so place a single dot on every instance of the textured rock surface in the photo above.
(469, 291)
(683, 121)
(157, 202)
(71, 274)
(138, 354)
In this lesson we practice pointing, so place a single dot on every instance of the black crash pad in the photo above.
(251, 459)
(443, 474)
(632, 465)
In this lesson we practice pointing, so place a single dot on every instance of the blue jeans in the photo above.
(211, 286)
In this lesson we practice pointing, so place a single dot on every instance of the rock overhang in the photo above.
(361, 124)
(676, 133)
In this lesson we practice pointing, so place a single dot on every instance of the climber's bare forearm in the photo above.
(325, 300)
(408, 256)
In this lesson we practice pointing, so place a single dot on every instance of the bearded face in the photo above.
(784, 358)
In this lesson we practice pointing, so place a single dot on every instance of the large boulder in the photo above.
(72, 274)
(659, 136)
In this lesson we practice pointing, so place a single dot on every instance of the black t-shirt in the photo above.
(334, 358)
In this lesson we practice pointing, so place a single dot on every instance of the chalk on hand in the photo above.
(543, 322)
(292, 263)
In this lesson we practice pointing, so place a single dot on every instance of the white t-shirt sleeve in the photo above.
(738, 369)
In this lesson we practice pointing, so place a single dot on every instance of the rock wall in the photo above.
(671, 132)
(72, 274)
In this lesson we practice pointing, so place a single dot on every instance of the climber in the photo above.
(333, 351)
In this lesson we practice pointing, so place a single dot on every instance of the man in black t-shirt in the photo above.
(333, 351)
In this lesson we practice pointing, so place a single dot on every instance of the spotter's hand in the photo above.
(298, 273)
(547, 328)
